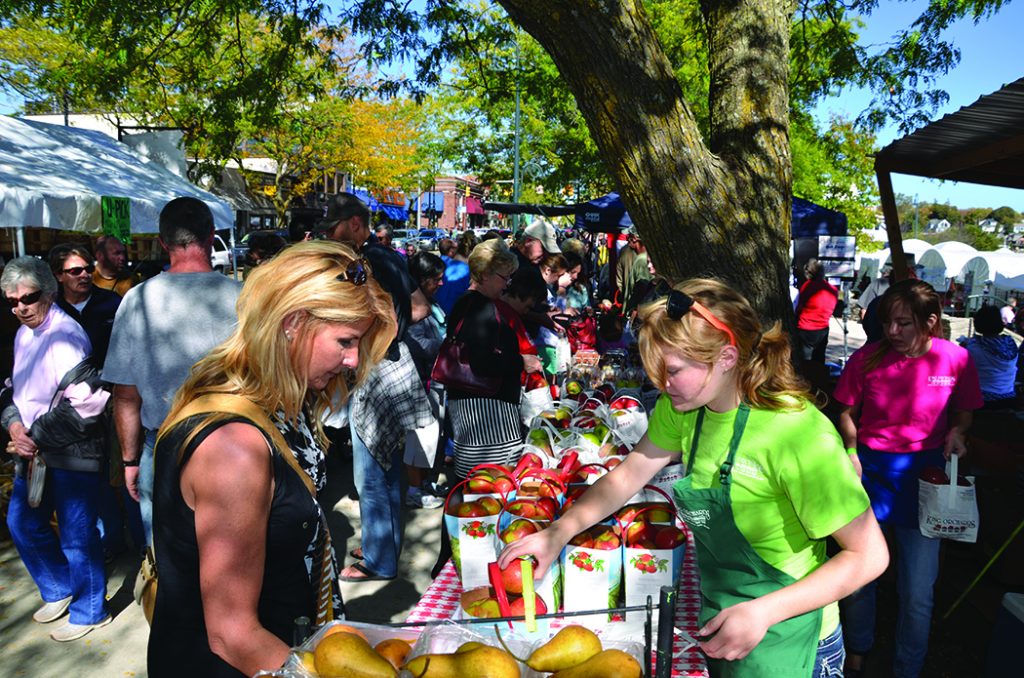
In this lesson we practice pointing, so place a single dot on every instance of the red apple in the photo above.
(478, 485)
(658, 513)
(484, 609)
(548, 505)
(583, 540)
(612, 462)
(605, 539)
(517, 608)
(503, 484)
(518, 529)
(604, 392)
(470, 509)
(669, 537)
(490, 505)
(639, 531)
(624, 403)
(626, 514)
(935, 475)
(512, 577)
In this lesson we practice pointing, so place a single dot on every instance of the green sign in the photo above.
(117, 217)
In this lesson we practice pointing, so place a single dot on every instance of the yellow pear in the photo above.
(571, 646)
(480, 662)
(346, 655)
(395, 650)
(607, 664)
(471, 645)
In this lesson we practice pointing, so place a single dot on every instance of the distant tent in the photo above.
(606, 214)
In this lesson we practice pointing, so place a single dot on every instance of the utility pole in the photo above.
(515, 167)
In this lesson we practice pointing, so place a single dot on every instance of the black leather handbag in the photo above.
(452, 368)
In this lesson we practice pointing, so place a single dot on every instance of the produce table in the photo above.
(441, 600)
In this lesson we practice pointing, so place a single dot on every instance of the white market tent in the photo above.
(941, 266)
(53, 177)
(1004, 269)
(872, 262)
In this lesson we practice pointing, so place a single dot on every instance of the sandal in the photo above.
(364, 574)
(357, 553)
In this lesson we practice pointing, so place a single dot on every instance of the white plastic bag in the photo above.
(534, 402)
(948, 511)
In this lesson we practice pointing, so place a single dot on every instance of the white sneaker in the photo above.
(51, 611)
(417, 498)
(71, 631)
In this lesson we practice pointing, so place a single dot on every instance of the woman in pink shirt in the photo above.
(908, 402)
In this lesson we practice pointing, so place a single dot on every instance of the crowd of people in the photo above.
(190, 415)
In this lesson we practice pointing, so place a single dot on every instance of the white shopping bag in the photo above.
(948, 511)
(533, 403)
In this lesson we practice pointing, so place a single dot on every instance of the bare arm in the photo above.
(864, 556)
(420, 306)
(228, 483)
(607, 494)
(961, 420)
(848, 431)
(128, 422)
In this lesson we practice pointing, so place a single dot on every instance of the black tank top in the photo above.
(178, 644)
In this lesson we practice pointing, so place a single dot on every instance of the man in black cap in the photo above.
(388, 405)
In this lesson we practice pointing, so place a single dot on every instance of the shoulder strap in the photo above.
(234, 405)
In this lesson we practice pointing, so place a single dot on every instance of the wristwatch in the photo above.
(130, 462)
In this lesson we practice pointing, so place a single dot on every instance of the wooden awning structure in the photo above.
(981, 144)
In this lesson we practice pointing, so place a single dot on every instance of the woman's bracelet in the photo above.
(130, 462)
(851, 451)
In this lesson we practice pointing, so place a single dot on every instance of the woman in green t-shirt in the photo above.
(767, 479)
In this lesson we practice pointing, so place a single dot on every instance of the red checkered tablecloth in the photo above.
(441, 600)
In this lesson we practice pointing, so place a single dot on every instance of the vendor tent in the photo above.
(606, 214)
(940, 267)
(810, 220)
(55, 177)
(1005, 270)
(872, 263)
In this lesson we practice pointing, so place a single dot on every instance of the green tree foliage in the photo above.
(1006, 216)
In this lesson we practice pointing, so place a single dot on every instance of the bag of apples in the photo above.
(654, 544)
(472, 525)
(628, 419)
(592, 573)
(947, 504)
(522, 517)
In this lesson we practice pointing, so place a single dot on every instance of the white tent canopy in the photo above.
(939, 267)
(873, 262)
(53, 177)
(1005, 270)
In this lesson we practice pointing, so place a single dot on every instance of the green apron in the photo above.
(732, 572)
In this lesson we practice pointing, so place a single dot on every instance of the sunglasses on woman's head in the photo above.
(27, 299)
(680, 303)
(79, 270)
(356, 272)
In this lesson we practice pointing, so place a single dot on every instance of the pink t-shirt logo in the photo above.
(942, 382)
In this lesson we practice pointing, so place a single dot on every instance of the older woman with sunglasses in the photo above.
(486, 428)
(54, 411)
(766, 481)
(242, 546)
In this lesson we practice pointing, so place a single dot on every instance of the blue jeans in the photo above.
(917, 568)
(146, 476)
(380, 507)
(831, 655)
(71, 565)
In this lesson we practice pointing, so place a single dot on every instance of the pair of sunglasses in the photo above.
(680, 303)
(79, 270)
(357, 271)
(27, 299)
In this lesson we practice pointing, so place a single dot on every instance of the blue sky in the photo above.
(989, 59)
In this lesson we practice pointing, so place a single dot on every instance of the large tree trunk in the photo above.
(717, 207)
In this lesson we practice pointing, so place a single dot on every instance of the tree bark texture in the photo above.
(705, 207)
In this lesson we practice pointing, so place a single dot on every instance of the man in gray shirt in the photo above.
(161, 329)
